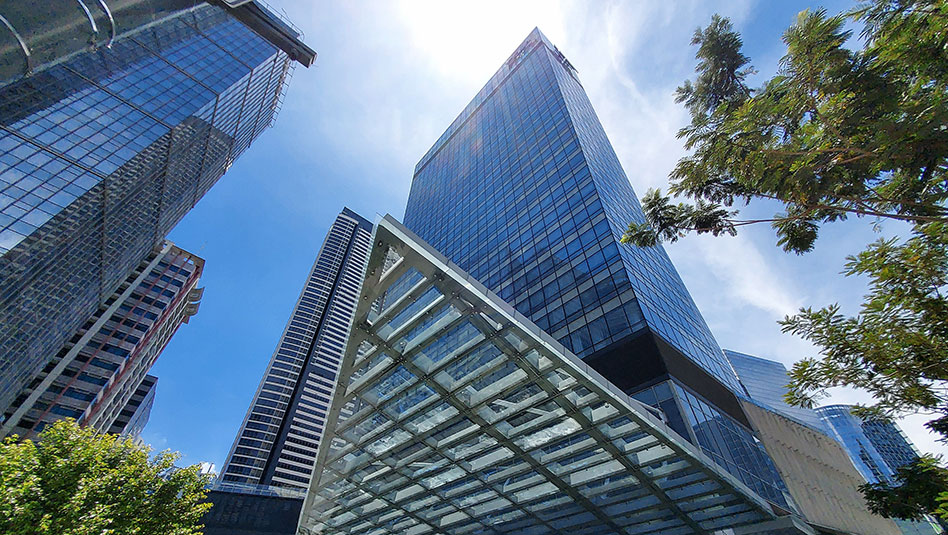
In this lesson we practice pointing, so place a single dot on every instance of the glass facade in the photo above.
(31, 41)
(251, 510)
(847, 430)
(97, 375)
(103, 152)
(877, 447)
(891, 443)
(720, 437)
(765, 382)
(453, 413)
(525, 192)
(277, 442)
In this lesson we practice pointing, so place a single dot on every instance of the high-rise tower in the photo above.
(113, 124)
(99, 377)
(524, 192)
(277, 442)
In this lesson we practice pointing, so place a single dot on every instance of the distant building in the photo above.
(891, 443)
(823, 472)
(277, 442)
(208, 469)
(847, 429)
(765, 381)
(877, 448)
(115, 119)
(100, 376)
(817, 471)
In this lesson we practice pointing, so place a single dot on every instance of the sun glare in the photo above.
(467, 42)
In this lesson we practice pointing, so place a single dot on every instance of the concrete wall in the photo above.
(818, 474)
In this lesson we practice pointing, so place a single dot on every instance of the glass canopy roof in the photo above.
(454, 414)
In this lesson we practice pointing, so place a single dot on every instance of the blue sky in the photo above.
(390, 77)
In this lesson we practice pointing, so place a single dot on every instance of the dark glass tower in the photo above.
(277, 442)
(525, 192)
(105, 147)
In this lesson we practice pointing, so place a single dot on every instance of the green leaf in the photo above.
(76, 482)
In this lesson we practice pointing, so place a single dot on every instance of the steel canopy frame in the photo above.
(454, 414)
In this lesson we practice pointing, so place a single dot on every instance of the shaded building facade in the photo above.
(100, 376)
(278, 439)
(525, 192)
(134, 416)
(818, 473)
(251, 510)
(103, 149)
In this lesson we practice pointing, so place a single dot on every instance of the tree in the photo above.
(835, 134)
(919, 485)
(76, 482)
(896, 348)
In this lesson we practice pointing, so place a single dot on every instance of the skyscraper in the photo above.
(99, 377)
(524, 192)
(277, 442)
(765, 382)
(104, 147)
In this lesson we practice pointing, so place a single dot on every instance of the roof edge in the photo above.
(266, 23)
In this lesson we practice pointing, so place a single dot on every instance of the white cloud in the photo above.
(467, 42)
(747, 276)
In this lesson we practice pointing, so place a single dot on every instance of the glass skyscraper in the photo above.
(765, 382)
(524, 192)
(107, 139)
(277, 442)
